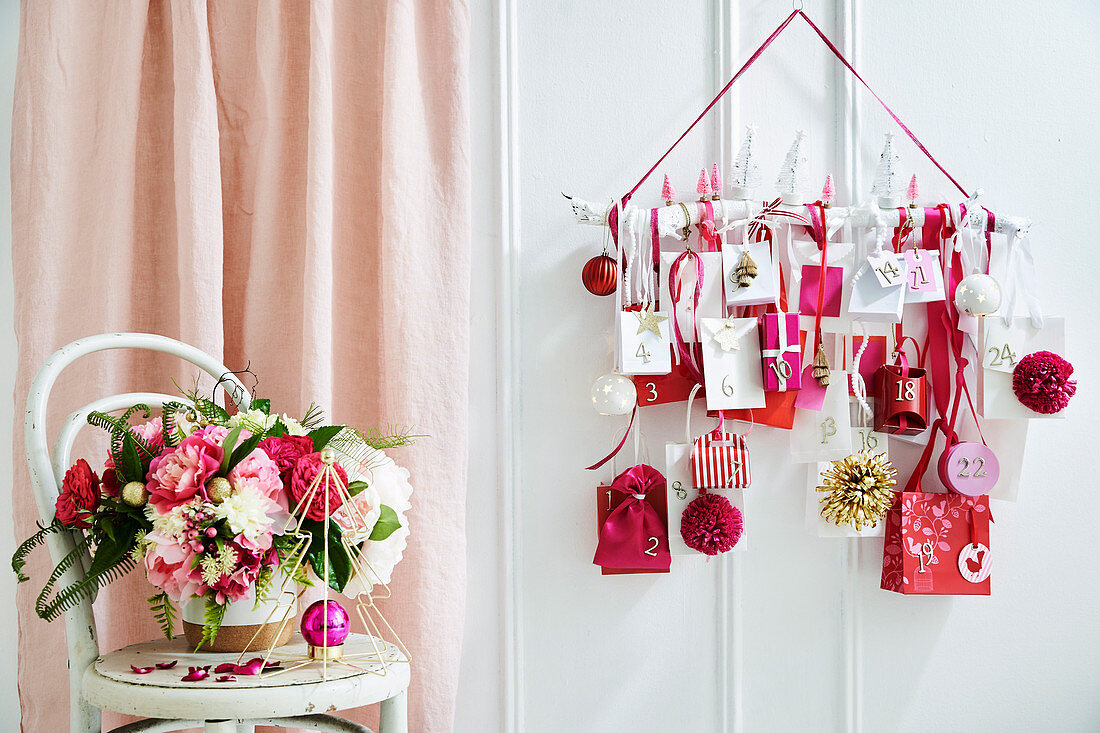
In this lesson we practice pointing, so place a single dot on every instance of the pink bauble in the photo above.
(325, 623)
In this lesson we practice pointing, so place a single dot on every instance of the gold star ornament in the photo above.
(650, 321)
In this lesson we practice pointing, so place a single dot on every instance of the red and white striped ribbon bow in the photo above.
(772, 209)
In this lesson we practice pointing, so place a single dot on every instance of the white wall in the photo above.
(794, 634)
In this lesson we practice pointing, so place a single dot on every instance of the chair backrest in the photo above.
(46, 474)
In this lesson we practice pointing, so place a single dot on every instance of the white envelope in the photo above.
(732, 379)
(996, 399)
(826, 435)
(869, 301)
(680, 492)
(710, 297)
(764, 287)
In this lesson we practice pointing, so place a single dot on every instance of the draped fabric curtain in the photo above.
(284, 184)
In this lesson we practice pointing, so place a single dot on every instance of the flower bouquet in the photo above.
(216, 506)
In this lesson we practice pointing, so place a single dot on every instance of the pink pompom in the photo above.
(1042, 382)
(668, 193)
(711, 525)
(703, 189)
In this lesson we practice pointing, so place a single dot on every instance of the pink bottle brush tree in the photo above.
(668, 193)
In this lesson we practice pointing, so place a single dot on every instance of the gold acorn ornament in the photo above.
(859, 490)
(820, 366)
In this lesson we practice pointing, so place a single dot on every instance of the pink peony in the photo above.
(286, 451)
(305, 471)
(261, 473)
(79, 494)
(180, 473)
(168, 565)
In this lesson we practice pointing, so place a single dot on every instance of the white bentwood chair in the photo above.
(103, 681)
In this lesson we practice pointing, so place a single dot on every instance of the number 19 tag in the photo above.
(889, 268)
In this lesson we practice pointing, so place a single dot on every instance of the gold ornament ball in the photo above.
(218, 489)
(134, 493)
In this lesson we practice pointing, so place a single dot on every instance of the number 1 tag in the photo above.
(1003, 346)
(646, 352)
(890, 269)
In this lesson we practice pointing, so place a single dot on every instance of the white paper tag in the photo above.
(890, 268)
(869, 302)
(868, 439)
(825, 435)
(732, 376)
(645, 352)
(1004, 346)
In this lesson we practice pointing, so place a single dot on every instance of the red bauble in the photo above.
(710, 524)
(599, 275)
(1042, 382)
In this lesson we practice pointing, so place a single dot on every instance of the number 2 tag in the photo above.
(890, 269)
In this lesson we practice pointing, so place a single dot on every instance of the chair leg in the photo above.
(246, 728)
(394, 715)
(221, 726)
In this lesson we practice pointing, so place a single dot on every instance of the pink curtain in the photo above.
(283, 184)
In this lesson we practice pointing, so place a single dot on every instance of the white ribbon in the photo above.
(783, 370)
(1021, 265)
(859, 385)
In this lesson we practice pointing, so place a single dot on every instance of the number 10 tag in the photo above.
(889, 268)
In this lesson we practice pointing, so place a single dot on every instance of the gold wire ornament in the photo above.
(745, 271)
(858, 489)
(356, 530)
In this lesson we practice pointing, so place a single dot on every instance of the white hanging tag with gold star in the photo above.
(645, 343)
(732, 376)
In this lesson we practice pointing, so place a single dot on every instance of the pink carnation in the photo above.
(181, 473)
(286, 451)
(238, 584)
(305, 471)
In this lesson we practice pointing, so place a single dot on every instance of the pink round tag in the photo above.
(969, 469)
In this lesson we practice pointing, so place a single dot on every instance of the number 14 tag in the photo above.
(890, 269)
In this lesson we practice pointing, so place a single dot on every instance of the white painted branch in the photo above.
(670, 219)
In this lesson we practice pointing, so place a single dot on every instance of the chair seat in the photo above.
(110, 684)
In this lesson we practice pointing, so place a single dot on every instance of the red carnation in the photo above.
(305, 471)
(286, 451)
(79, 496)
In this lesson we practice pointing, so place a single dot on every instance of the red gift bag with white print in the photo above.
(936, 544)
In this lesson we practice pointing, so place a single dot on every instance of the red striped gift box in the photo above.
(720, 461)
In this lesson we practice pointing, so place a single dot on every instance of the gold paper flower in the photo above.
(858, 490)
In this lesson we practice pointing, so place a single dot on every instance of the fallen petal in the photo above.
(227, 678)
(252, 666)
(269, 665)
(225, 667)
(140, 670)
(167, 665)
(196, 674)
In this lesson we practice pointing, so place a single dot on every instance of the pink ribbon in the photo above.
(687, 355)
(627, 535)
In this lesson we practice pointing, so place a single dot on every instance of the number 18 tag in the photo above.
(889, 268)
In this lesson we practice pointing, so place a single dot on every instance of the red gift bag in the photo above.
(660, 389)
(632, 517)
(901, 406)
(936, 544)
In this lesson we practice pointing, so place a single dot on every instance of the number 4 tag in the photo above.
(646, 352)
(889, 268)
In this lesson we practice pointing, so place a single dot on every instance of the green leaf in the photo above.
(262, 404)
(212, 618)
(163, 612)
(227, 446)
(387, 524)
(19, 559)
(357, 487)
(108, 528)
(132, 469)
(277, 430)
(322, 436)
(111, 549)
(339, 565)
(241, 451)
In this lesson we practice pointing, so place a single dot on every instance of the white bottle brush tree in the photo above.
(745, 173)
(887, 184)
(791, 180)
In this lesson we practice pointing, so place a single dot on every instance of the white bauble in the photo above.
(614, 394)
(978, 295)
